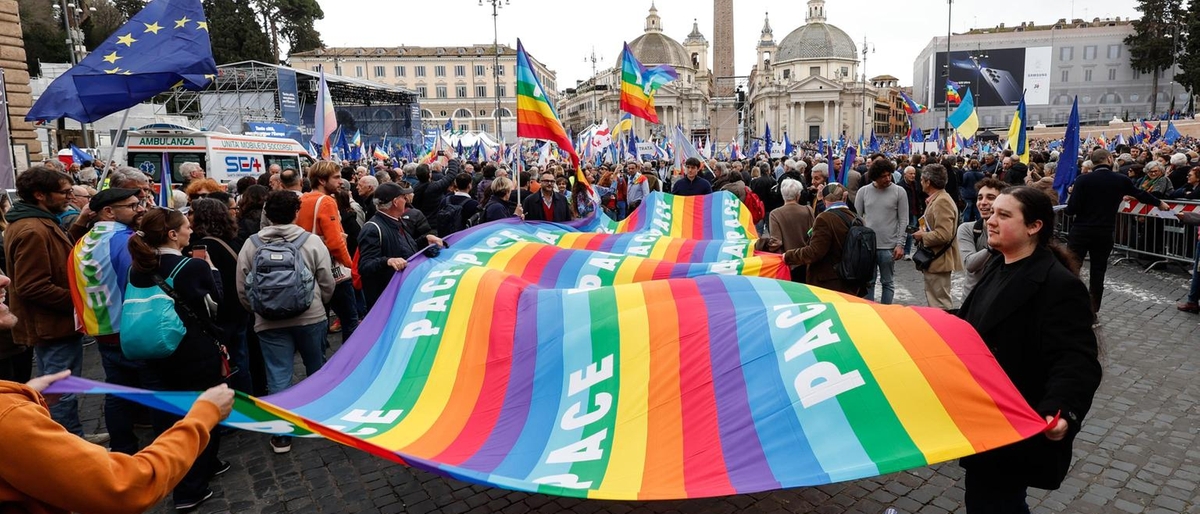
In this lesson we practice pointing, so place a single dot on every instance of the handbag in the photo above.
(341, 272)
(923, 257)
(205, 326)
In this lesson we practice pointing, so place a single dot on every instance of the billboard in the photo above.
(996, 76)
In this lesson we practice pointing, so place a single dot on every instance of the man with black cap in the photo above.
(99, 268)
(388, 239)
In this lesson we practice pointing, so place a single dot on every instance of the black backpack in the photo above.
(858, 252)
(448, 218)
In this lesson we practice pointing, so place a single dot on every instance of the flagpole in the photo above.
(112, 151)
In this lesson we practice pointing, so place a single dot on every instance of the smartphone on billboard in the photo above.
(1003, 83)
(200, 252)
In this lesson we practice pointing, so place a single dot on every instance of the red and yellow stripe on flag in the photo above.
(536, 118)
(638, 85)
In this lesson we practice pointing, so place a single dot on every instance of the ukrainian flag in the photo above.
(964, 119)
(1017, 141)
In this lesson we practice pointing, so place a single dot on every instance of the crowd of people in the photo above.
(268, 267)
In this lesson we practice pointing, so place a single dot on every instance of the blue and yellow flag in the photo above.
(164, 46)
(1017, 141)
(964, 119)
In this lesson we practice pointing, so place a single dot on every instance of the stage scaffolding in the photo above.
(249, 92)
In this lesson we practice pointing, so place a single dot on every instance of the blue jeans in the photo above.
(1194, 292)
(346, 307)
(55, 356)
(279, 346)
(119, 413)
(885, 268)
(239, 356)
(908, 239)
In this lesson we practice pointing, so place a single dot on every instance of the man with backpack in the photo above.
(829, 264)
(387, 240)
(462, 199)
(284, 276)
(884, 209)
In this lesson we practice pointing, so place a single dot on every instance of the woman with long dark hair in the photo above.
(196, 365)
(213, 229)
(250, 206)
(1035, 315)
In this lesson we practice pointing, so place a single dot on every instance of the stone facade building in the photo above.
(454, 82)
(16, 77)
(808, 84)
(684, 101)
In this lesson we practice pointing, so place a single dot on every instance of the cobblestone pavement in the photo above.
(1137, 451)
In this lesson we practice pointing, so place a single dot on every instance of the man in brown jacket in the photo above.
(37, 249)
(938, 233)
(824, 249)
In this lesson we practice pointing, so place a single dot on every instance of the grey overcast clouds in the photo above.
(564, 33)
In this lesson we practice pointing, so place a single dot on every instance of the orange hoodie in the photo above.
(45, 469)
(329, 221)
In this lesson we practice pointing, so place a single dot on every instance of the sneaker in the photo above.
(1191, 307)
(100, 438)
(907, 257)
(193, 504)
(336, 326)
(222, 467)
(281, 444)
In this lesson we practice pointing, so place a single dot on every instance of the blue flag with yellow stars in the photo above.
(164, 46)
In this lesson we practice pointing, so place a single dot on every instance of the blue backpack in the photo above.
(150, 326)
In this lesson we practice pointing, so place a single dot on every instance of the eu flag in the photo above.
(163, 46)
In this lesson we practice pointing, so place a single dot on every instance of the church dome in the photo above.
(653, 47)
(656, 48)
(816, 41)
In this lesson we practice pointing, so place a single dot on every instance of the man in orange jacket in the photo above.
(319, 215)
(46, 469)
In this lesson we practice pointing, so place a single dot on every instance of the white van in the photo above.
(224, 157)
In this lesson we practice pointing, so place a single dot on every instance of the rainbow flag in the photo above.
(98, 270)
(378, 153)
(655, 358)
(639, 83)
(325, 119)
(911, 106)
(536, 118)
(952, 95)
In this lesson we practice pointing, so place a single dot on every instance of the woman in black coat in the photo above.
(1035, 315)
(197, 364)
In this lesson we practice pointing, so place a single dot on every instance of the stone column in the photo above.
(16, 76)
(837, 118)
(803, 124)
(828, 126)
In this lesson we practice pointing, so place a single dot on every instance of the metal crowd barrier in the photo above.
(1141, 235)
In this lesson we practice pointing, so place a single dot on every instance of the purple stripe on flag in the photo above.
(739, 438)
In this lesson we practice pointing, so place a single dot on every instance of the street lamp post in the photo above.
(496, 6)
(595, 105)
(863, 130)
(946, 83)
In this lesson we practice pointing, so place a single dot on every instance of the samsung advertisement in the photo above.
(996, 77)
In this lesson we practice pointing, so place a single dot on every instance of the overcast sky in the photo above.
(563, 33)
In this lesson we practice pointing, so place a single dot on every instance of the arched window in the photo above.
(696, 60)
(462, 113)
(503, 112)
(426, 113)
(1110, 98)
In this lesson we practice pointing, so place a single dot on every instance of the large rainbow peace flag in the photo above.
(657, 358)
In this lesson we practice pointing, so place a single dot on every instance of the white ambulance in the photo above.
(225, 157)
